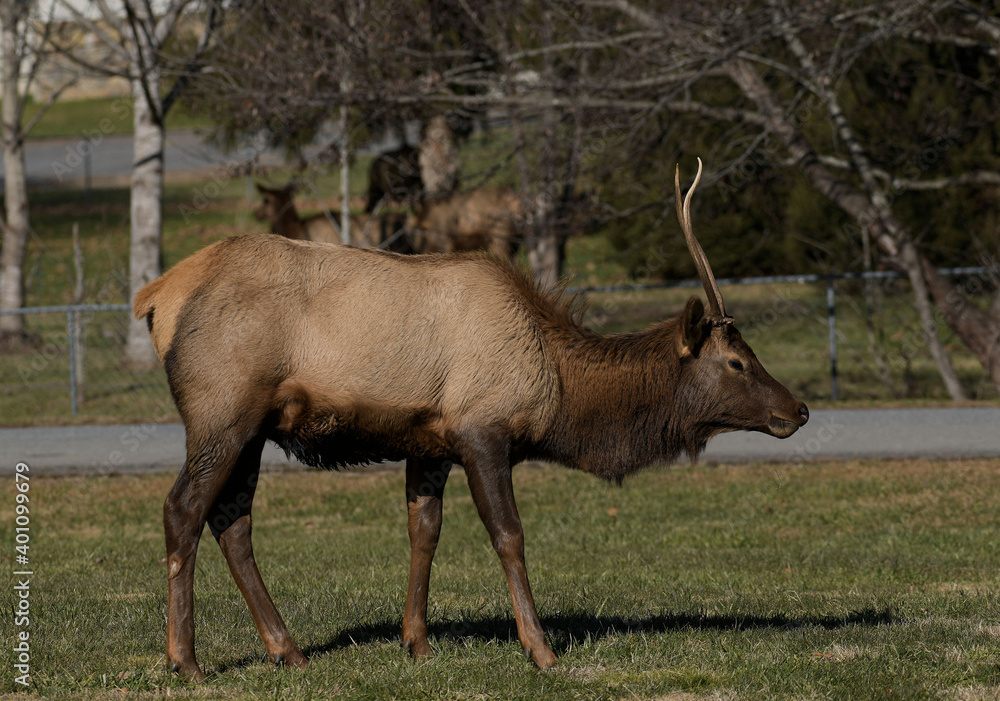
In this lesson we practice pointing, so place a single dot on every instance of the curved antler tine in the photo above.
(715, 303)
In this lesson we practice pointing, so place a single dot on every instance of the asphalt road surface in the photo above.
(830, 434)
(69, 161)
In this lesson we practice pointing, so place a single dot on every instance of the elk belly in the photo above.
(333, 432)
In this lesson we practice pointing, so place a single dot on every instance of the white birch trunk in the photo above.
(17, 225)
(345, 180)
(146, 213)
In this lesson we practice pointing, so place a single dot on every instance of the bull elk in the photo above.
(345, 356)
(484, 218)
(278, 208)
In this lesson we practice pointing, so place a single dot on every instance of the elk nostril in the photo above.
(804, 412)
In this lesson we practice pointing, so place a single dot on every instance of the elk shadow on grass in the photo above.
(564, 631)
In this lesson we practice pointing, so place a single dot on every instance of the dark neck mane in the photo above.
(624, 403)
(619, 406)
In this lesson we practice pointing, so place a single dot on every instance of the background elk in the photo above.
(485, 218)
(278, 208)
(346, 356)
(394, 178)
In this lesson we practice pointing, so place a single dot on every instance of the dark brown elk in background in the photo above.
(347, 356)
(486, 218)
(394, 178)
(278, 208)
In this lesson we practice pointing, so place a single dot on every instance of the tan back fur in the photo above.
(346, 326)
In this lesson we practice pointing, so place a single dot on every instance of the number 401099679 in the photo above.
(21, 510)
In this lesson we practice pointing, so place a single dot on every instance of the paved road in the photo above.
(65, 161)
(831, 434)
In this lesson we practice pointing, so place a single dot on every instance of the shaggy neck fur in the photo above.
(625, 403)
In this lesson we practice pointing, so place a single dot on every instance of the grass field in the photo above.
(107, 115)
(842, 580)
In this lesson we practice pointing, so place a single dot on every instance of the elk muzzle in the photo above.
(783, 425)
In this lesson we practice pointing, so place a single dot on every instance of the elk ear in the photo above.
(693, 327)
(261, 189)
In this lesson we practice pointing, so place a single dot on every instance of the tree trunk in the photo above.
(345, 181)
(911, 262)
(979, 330)
(147, 213)
(543, 243)
(544, 249)
(17, 225)
(439, 163)
(866, 209)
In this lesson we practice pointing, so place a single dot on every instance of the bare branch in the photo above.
(140, 42)
(44, 107)
(194, 66)
(976, 177)
(91, 26)
(164, 27)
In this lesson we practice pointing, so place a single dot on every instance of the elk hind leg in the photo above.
(425, 482)
(208, 466)
(230, 523)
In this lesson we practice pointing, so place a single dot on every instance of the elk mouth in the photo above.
(783, 427)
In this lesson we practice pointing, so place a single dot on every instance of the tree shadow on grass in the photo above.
(565, 630)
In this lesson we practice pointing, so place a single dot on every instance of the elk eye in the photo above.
(736, 365)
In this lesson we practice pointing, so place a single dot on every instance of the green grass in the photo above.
(838, 580)
(108, 115)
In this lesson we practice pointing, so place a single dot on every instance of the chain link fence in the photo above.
(840, 337)
(70, 367)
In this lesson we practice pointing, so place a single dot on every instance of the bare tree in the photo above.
(22, 36)
(607, 90)
(764, 54)
(143, 46)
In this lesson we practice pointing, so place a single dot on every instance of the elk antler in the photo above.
(715, 303)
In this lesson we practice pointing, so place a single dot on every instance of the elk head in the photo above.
(720, 367)
(275, 204)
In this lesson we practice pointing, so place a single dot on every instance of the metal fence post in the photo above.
(831, 322)
(87, 172)
(71, 337)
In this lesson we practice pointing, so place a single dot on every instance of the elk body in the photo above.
(344, 356)
(394, 177)
(369, 231)
(485, 218)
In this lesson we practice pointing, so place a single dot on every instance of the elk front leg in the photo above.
(230, 523)
(488, 467)
(425, 482)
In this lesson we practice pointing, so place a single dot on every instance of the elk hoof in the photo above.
(292, 659)
(542, 657)
(190, 673)
(418, 648)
